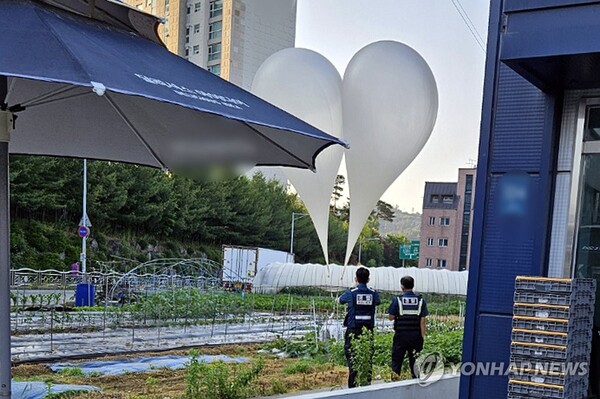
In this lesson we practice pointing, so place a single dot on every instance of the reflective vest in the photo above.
(409, 313)
(363, 300)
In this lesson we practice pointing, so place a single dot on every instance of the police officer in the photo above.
(361, 302)
(408, 312)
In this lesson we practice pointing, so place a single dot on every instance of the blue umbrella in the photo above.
(90, 79)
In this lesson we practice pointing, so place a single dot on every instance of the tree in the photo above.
(338, 189)
(384, 211)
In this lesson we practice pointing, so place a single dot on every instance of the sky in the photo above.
(337, 29)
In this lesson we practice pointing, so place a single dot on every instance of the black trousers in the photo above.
(406, 343)
(352, 372)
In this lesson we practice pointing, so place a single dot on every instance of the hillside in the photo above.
(407, 224)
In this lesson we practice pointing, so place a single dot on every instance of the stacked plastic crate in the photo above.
(551, 338)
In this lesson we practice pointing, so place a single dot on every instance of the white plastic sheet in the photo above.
(277, 276)
(390, 104)
(305, 84)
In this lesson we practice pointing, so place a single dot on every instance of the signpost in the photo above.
(83, 231)
(409, 251)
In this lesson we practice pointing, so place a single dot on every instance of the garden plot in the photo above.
(27, 347)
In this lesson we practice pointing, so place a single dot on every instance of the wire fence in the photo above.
(141, 311)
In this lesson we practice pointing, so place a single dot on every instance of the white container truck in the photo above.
(240, 264)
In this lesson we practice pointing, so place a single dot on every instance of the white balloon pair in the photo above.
(385, 107)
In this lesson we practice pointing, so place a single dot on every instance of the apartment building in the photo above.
(446, 223)
(230, 38)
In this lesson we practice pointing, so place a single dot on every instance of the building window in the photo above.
(431, 220)
(214, 30)
(428, 262)
(189, 9)
(435, 199)
(464, 241)
(216, 8)
(197, 7)
(187, 39)
(216, 69)
(214, 52)
(187, 52)
(442, 242)
(441, 263)
(430, 242)
(187, 30)
(444, 221)
(448, 199)
(197, 28)
(197, 49)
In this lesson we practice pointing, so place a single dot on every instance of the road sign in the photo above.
(83, 231)
(410, 251)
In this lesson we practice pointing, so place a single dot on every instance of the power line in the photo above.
(465, 17)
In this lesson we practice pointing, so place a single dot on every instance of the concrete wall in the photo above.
(446, 388)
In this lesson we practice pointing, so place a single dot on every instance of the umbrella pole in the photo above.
(5, 359)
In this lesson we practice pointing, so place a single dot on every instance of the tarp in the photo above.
(141, 364)
(39, 389)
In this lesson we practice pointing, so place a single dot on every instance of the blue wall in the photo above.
(517, 138)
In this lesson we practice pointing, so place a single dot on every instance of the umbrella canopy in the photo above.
(90, 80)
(93, 90)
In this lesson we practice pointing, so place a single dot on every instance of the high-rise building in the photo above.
(230, 38)
(446, 223)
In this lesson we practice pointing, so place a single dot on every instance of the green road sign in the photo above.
(410, 251)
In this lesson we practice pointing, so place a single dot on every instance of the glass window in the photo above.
(435, 199)
(187, 30)
(444, 221)
(189, 10)
(442, 242)
(428, 262)
(197, 7)
(441, 263)
(216, 69)
(214, 52)
(592, 130)
(430, 242)
(214, 30)
(431, 221)
(216, 8)
(196, 49)
(187, 52)
(448, 199)
(197, 28)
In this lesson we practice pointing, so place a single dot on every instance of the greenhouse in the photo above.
(277, 276)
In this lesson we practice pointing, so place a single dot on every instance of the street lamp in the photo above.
(360, 245)
(295, 215)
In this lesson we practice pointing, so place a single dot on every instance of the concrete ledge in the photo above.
(446, 387)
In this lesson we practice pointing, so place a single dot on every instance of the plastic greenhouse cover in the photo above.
(276, 276)
(141, 364)
(39, 389)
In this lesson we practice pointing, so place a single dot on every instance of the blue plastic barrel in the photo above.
(84, 294)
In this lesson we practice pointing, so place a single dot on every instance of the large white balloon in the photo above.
(305, 84)
(390, 104)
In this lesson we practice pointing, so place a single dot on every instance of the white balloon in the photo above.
(390, 104)
(305, 84)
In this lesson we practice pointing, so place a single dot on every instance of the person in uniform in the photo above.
(361, 302)
(408, 311)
